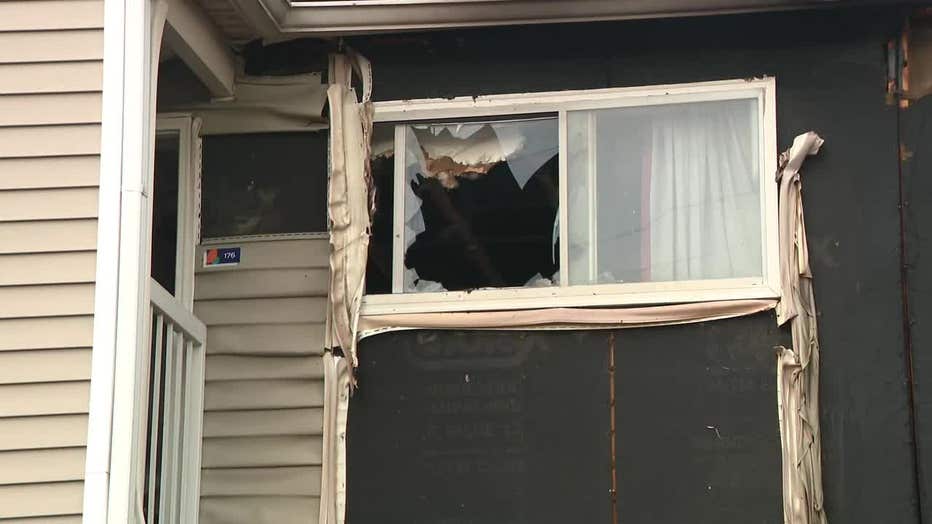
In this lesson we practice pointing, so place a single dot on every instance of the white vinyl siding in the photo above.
(50, 104)
(263, 398)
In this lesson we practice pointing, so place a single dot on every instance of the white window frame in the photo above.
(186, 128)
(566, 295)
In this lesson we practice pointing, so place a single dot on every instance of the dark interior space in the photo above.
(264, 183)
(165, 211)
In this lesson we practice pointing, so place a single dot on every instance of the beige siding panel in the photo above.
(64, 77)
(289, 481)
(274, 254)
(47, 268)
(47, 236)
(51, 398)
(253, 423)
(49, 109)
(34, 15)
(56, 519)
(57, 431)
(53, 172)
(259, 510)
(225, 367)
(42, 465)
(48, 204)
(261, 311)
(42, 333)
(67, 140)
(60, 498)
(262, 394)
(46, 301)
(259, 452)
(24, 367)
(266, 339)
(263, 399)
(51, 46)
(262, 283)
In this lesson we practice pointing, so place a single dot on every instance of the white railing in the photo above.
(176, 398)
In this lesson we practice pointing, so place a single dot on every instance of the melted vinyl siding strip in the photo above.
(287, 481)
(259, 510)
(267, 339)
(225, 367)
(263, 399)
(262, 452)
(267, 283)
(262, 394)
(301, 310)
(267, 422)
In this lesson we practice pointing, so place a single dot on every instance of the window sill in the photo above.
(604, 295)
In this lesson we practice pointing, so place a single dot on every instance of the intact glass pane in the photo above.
(666, 192)
(480, 205)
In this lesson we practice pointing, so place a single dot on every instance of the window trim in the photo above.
(616, 294)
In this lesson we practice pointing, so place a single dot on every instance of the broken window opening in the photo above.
(480, 203)
(617, 196)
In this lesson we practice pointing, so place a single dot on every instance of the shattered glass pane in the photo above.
(480, 205)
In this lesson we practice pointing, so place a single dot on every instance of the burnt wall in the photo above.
(696, 404)
(916, 134)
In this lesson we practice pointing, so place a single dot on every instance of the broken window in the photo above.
(479, 205)
(607, 193)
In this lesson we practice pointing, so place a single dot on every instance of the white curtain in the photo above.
(704, 192)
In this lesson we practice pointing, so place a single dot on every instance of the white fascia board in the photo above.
(345, 17)
(191, 34)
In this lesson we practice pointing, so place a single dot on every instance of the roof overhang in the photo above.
(278, 19)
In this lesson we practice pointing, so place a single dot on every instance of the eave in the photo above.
(278, 19)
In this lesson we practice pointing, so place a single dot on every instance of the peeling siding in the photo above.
(50, 106)
(263, 399)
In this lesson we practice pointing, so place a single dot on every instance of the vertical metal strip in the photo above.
(612, 432)
(398, 205)
(564, 202)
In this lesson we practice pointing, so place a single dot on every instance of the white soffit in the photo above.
(345, 17)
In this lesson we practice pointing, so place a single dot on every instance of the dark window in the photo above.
(165, 211)
(264, 183)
